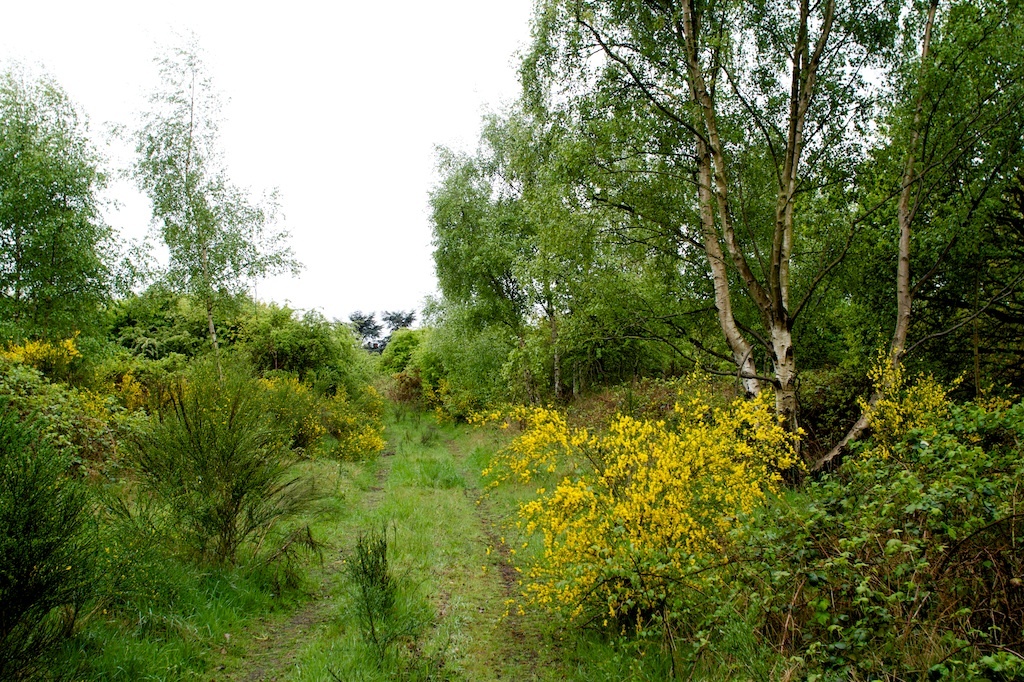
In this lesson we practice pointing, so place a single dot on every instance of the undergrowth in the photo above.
(905, 564)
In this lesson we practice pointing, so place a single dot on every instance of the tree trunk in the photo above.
(976, 336)
(742, 352)
(784, 366)
(531, 393)
(904, 292)
(556, 357)
(18, 260)
(213, 336)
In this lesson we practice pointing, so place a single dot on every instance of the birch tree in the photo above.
(217, 234)
(54, 273)
(758, 108)
(953, 163)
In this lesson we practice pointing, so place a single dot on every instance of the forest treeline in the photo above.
(771, 191)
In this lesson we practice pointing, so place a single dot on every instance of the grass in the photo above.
(440, 552)
(449, 553)
(168, 637)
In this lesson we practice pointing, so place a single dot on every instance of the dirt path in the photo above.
(513, 640)
(275, 650)
(519, 649)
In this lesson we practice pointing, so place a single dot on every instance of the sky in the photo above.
(340, 106)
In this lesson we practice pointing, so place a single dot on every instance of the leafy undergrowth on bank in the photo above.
(673, 540)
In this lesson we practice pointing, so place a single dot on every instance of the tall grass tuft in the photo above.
(376, 588)
(386, 607)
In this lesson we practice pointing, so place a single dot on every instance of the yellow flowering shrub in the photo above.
(308, 416)
(78, 421)
(448, 403)
(295, 407)
(54, 359)
(131, 391)
(902, 406)
(371, 402)
(630, 517)
(358, 430)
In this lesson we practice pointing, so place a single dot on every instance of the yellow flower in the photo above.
(638, 494)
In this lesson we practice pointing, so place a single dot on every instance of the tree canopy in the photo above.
(54, 246)
(219, 238)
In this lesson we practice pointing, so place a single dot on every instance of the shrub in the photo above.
(355, 428)
(460, 370)
(375, 587)
(405, 387)
(907, 561)
(75, 420)
(159, 322)
(829, 404)
(215, 459)
(278, 340)
(137, 382)
(398, 353)
(46, 546)
(56, 360)
(634, 516)
(295, 408)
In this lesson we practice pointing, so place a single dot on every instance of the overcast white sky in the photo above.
(339, 105)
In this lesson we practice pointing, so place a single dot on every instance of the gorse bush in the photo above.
(907, 563)
(631, 518)
(57, 360)
(296, 408)
(218, 463)
(137, 382)
(47, 547)
(355, 425)
(77, 421)
(355, 428)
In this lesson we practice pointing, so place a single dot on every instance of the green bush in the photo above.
(828, 405)
(398, 353)
(159, 322)
(376, 587)
(278, 340)
(47, 550)
(910, 558)
(75, 420)
(214, 458)
(458, 370)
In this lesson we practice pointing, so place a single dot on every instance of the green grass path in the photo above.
(448, 553)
